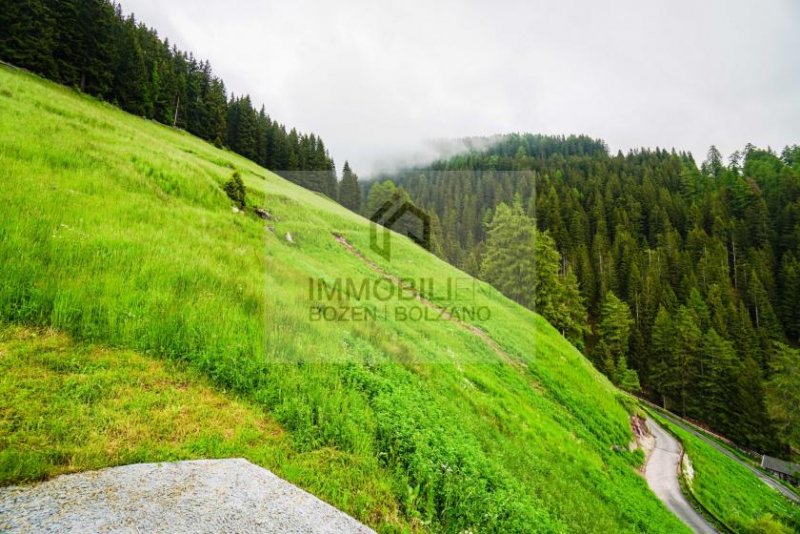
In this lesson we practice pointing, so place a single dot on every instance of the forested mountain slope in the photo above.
(688, 275)
(117, 230)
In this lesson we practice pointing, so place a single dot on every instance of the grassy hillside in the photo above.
(115, 230)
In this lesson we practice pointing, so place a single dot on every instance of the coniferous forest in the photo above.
(93, 46)
(681, 282)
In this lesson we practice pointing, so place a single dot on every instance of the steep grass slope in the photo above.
(116, 230)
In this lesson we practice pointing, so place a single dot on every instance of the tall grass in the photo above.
(116, 230)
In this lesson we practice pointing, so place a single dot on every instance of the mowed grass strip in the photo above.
(67, 407)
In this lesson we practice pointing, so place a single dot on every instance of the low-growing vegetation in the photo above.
(235, 190)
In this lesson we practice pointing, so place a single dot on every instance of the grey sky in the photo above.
(379, 80)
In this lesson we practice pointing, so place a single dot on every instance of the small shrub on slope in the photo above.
(234, 188)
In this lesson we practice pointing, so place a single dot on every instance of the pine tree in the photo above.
(783, 392)
(762, 312)
(686, 342)
(613, 335)
(244, 139)
(713, 165)
(571, 319)
(663, 378)
(378, 195)
(509, 261)
(84, 45)
(217, 104)
(714, 380)
(129, 69)
(790, 296)
(349, 190)
(29, 36)
(547, 288)
(753, 428)
(627, 378)
(524, 264)
(437, 237)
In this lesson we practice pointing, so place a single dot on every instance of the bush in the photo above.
(234, 188)
(767, 524)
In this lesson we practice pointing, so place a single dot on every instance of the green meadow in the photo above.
(116, 234)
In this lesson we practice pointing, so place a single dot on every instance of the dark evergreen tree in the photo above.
(349, 190)
(613, 341)
(29, 35)
(783, 393)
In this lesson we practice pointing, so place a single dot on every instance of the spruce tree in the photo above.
(663, 378)
(714, 381)
(613, 338)
(753, 428)
(790, 296)
(783, 392)
(686, 342)
(509, 261)
(29, 36)
(378, 195)
(349, 190)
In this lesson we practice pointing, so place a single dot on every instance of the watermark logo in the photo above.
(387, 298)
(387, 216)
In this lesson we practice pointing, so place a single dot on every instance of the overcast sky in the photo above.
(380, 81)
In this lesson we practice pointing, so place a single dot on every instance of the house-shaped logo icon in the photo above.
(387, 216)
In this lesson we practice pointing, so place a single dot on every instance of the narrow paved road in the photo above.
(661, 473)
(768, 480)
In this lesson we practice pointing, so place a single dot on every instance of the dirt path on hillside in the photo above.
(662, 472)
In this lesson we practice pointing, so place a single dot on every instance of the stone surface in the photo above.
(195, 496)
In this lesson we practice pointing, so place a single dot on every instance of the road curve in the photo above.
(661, 472)
(774, 484)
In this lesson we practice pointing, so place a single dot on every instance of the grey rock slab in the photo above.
(194, 496)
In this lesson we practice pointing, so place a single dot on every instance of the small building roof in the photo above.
(780, 466)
